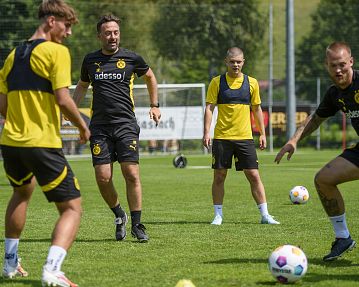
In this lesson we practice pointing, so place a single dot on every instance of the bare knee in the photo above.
(103, 178)
(320, 180)
(219, 177)
(132, 178)
(73, 205)
(253, 176)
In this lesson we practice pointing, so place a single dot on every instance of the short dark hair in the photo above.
(105, 19)
(57, 8)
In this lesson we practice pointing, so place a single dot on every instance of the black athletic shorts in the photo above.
(110, 143)
(48, 165)
(243, 151)
(352, 154)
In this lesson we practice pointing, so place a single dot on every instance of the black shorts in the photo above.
(352, 154)
(110, 143)
(48, 165)
(243, 151)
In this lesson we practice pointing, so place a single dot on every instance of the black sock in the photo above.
(135, 217)
(118, 211)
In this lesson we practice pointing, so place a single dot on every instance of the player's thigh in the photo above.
(245, 155)
(102, 146)
(338, 171)
(127, 144)
(54, 174)
(16, 169)
(222, 154)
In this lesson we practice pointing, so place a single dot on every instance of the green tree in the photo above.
(136, 17)
(18, 22)
(194, 35)
(333, 21)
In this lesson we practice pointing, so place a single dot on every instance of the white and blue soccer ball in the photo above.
(299, 195)
(288, 264)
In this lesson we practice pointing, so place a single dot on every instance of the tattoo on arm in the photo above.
(311, 123)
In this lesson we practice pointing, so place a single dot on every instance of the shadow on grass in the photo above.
(175, 222)
(237, 261)
(316, 261)
(333, 264)
(309, 277)
(27, 282)
(84, 240)
(199, 222)
(315, 277)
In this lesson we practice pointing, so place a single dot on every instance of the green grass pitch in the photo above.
(177, 210)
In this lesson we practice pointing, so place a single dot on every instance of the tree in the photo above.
(194, 35)
(332, 21)
(136, 17)
(17, 24)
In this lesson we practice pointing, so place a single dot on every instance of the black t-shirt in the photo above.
(111, 77)
(346, 100)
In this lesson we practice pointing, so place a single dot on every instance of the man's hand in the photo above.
(262, 142)
(206, 141)
(84, 135)
(155, 114)
(289, 148)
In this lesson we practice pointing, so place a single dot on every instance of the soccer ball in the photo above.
(288, 264)
(180, 161)
(299, 195)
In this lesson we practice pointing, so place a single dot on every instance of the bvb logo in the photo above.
(121, 64)
(96, 149)
(356, 97)
(213, 160)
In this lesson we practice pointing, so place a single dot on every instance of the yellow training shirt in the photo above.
(33, 116)
(233, 121)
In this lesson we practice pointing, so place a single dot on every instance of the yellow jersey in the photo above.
(234, 98)
(29, 76)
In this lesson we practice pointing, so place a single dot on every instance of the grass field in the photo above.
(177, 212)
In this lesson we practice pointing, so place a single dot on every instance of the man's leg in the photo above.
(108, 192)
(63, 236)
(258, 193)
(15, 219)
(131, 174)
(219, 177)
(326, 180)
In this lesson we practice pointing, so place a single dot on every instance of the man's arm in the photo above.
(208, 113)
(258, 118)
(310, 124)
(3, 104)
(80, 91)
(151, 83)
(70, 111)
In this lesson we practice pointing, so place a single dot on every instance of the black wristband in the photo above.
(155, 105)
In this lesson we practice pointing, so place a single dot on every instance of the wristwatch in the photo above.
(155, 105)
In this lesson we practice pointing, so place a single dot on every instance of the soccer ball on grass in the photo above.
(299, 195)
(288, 264)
